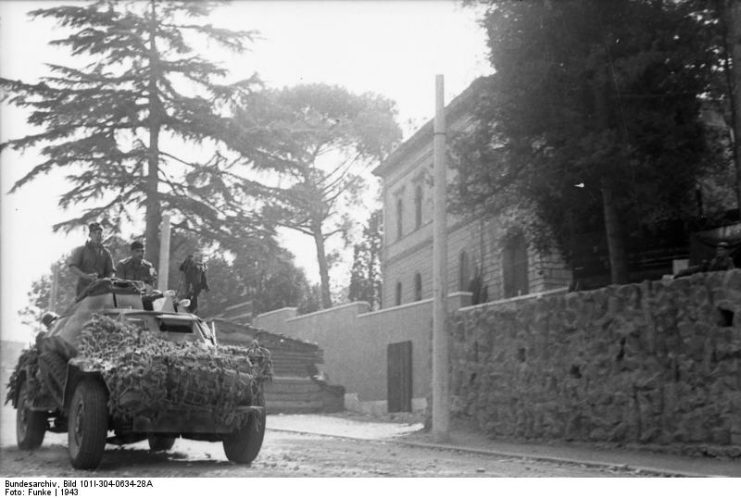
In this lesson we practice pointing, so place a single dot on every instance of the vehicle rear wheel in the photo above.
(161, 443)
(88, 424)
(30, 426)
(243, 445)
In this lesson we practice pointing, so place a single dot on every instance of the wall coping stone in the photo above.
(329, 310)
(452, 295)
(526, 297)
(275, 312)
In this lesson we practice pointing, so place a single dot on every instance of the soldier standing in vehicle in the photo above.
(135, 267)
(194, 271)
(91, 261)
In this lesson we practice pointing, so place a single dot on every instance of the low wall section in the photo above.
(651, 363)
(355, 342)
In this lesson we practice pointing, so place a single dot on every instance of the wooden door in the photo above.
(399, 370)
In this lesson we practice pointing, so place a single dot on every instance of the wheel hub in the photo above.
(79, 416)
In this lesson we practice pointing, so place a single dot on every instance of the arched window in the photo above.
(398, 293)
(464, 271)
(418, 206)
(417, 287)
(399, 218)
(515, 267)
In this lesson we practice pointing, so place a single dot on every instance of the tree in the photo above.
(118, 125)
(728, 12)
(591, 121)
(316, 138)
(365, 276)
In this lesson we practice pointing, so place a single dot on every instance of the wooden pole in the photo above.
(440, 382)
(164, 269)
(54, 288)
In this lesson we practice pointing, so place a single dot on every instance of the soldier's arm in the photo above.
(119, 270)
(153, 276)
(75, 261)
(108, 267)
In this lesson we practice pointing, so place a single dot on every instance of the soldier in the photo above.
(91, 261)
(194, 271)
(135, 267)
(722, 260)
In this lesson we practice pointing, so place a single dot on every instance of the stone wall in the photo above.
(657, 363)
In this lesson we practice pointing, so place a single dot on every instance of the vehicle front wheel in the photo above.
(88, 424)
(243, 445)
(161, 443)
(30, 426)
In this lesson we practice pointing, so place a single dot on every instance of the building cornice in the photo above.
(456, 108)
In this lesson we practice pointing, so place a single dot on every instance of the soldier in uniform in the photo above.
(91, 261)
(135, 267)
(194, 271)
(722, 260)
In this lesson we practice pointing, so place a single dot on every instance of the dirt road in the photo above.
(285, 454)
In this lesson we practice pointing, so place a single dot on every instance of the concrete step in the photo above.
(279, 406)
(289, 389)
(305, 396)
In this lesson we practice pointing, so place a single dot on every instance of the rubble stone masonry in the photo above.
(656, 363)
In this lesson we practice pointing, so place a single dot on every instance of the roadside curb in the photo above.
(656, 471)
(589, 463)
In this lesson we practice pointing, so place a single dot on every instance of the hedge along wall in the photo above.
(654, 363)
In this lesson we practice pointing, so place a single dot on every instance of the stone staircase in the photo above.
(296, 387)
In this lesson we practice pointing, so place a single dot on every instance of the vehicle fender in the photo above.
(79, 369)
(22, 375)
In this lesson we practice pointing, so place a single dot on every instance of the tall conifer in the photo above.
(125, 125)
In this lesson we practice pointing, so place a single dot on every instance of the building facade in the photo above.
(490, 258)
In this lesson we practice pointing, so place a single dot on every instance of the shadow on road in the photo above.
(54, 460)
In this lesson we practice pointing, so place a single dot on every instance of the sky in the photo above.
(393, 48)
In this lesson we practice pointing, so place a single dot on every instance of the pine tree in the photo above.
(120, 126)
(317, 139)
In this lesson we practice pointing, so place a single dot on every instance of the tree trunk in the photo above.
(321, 257)
(613, 229)
(732, 20)
(614, 235)
(153, 215)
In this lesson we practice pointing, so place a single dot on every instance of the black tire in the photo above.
(30, 426)
(243, 445)
(161, 443)
(88, 424)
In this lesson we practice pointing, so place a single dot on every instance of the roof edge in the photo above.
(454, 108)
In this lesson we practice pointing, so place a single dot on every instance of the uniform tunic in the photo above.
(131, 269)
(91, 258)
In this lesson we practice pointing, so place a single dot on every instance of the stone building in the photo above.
(495, 251)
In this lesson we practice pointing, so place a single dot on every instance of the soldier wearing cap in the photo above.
(91, 261)
(194, 271)
(135, 267)
(722, 260)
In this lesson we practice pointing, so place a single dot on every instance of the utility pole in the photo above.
(54, 288)
(164, 269)
(440, 363)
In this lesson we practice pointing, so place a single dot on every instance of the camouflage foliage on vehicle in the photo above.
(27, 362)
(147, 375)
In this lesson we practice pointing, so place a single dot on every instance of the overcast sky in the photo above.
(388, 47)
